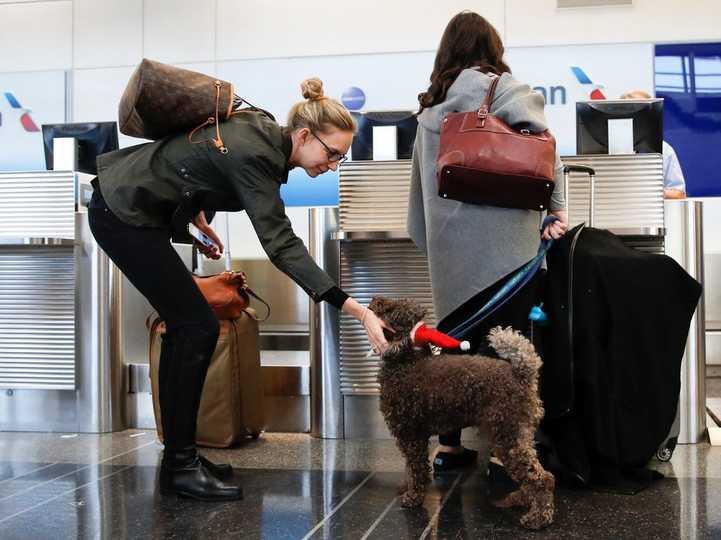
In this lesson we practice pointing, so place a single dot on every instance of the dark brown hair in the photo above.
(469, 40)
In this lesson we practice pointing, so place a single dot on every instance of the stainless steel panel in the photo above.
(364, 419)
(287, 414)
(37, 204)
(326, 399)
(373, 195)
(712, 269)
(101, 378)
(287, 398)
(628, 193)
(376, 268)
(713, 347)
(37, 318)
(34, 241)
(289, 303)
(38, 410)
(371, 235)
(285, 341)
(139, 409)
(139, 378)
(684, 243)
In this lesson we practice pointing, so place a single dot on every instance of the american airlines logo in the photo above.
(556, 94)
(25, 119)
(595, 91)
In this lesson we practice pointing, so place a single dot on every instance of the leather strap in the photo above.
(252, 293)
(485, 108)
(218, 141)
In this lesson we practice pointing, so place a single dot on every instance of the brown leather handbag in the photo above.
(162, 100)
(483, 160)
(228, 294)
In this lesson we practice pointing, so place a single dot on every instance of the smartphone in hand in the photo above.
(200, 236)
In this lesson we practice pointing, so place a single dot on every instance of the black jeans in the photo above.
(514, 313)
(146, 257)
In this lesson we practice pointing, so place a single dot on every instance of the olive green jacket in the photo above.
(167, 182)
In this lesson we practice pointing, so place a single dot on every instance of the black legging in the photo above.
(148, 260)
(514, 313)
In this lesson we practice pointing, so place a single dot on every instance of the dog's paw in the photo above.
(512, 499)
(412, 499)
(536, 519)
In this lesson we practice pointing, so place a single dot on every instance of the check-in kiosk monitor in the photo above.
(622, 126)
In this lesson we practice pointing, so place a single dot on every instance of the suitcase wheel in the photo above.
(666, 451)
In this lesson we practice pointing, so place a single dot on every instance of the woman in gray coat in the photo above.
(472, 249)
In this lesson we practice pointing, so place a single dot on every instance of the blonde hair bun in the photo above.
(312, 89)
(318, 112)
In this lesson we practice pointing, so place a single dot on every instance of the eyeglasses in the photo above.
(333, 155)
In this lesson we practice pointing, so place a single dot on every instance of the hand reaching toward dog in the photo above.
(374, 328)
(372, 324)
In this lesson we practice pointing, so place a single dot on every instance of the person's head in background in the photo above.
(636, 94)
(674, 182)
(321, 129)
(469, 40)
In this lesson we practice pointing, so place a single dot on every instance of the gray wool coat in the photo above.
(470, 247)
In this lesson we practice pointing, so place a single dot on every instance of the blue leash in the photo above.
(514, 284)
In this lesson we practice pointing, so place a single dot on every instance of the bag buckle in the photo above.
(482, 115)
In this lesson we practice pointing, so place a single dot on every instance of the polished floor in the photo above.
(88, 486)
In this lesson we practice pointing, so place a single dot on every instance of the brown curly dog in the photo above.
(424, 394)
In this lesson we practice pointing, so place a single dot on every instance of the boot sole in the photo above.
(189, 495)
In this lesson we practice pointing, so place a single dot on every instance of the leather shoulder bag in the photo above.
(228, 294)
(161, 100)
(483, 160)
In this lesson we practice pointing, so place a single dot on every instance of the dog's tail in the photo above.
(511, 345)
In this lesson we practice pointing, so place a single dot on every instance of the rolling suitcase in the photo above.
(668, 445)
(231, 406)
(588, 429)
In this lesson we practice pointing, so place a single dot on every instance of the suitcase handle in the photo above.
(567, 169)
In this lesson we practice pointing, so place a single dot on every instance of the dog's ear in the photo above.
(419, 311)
(414, 310)
(378, 305)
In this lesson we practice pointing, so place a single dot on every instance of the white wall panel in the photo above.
(244, 243)
(540, 22)
(274, 84)
(36, 36)
(107, 33)
(179, 30)
(41, 95)
(276, 28)
(96, 93)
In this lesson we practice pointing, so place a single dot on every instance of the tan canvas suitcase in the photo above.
(231, 407)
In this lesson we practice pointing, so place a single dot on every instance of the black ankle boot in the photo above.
(190, 478)
(222, 471)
